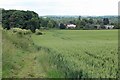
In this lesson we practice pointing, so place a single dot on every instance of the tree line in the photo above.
(25, 20)
(31, 20)
(90, 22)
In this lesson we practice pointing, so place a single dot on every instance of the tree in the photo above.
(5, 18)
(55, 25)
(32, 24)
(78, 23)
(43, 22)
(105, 21)
(116, 25)
(84, 22)
(99, 22)
(91, 21)
(17, 19)
(79, 18)
(72, 22)
(62, 26)
(5, 24)
(20, 19)
(50, 24)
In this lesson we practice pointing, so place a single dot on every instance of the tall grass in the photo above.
(19, 56)
(61, 54)
(82, 54)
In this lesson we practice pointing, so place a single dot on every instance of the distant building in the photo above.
(104, 26)
(70, 26)
(109, 26)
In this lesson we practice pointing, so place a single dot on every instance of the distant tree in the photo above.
(84, 22)
(72, 22)
(79, 18)
(78, 24)
(105, 21)
(50, 24)
(62, 26)
(116, 25)
(99, 22)
(55, 25)
(90, 21)
(44, 22)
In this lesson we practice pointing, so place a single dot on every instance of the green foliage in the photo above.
(90, 21)
(38, 32)
(32, 24)
(105, 21)
(21, 31)
(50, 25)
(62, 26)
(31, 20)
(20, 19)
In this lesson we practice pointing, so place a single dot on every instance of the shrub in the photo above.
(21, 31)
(38, 32)
(26, 32)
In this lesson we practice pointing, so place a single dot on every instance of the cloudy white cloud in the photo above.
(64, 7)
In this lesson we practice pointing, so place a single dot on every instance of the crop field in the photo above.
(90, 53)
(61, 53)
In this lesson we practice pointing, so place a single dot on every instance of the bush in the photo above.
(26, 32)
(21, 31)
(38, 32)
(14, 30)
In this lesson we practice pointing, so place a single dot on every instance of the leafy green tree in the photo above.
(50, 24)
(20, 19)
(90, 21)
(5, 18)
(99, 22)
(84, 22)
(32, 24)
(78, 23)
(55, 25)
(44, 22)
(17, 19)
(105, 21)
(62, 26)
(116, 25)
(79, 18)
(5, 24)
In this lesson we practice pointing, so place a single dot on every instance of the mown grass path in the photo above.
(32, 67)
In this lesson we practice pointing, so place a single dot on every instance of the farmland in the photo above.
(61, 53)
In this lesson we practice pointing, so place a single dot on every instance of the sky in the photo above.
(64, 7)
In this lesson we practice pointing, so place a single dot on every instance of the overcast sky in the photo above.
(64, 7)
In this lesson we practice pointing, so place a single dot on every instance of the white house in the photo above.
(71, 26)
(109, 26)
(104, 26)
